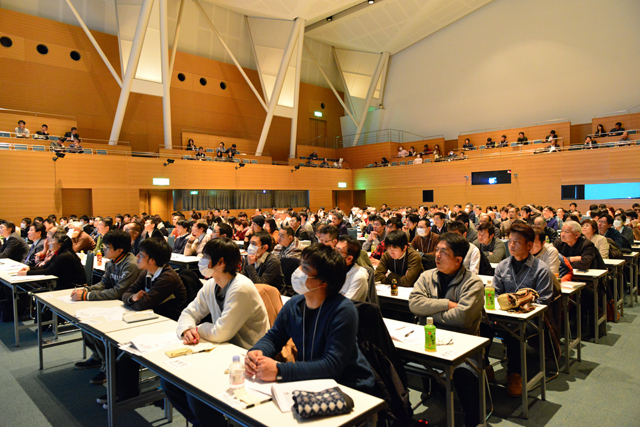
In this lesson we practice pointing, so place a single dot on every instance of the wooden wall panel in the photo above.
(563, 130)
(77, 201)
(362, 155)
(307, 150)
(57, 126)
(56, 84)
(629, 121)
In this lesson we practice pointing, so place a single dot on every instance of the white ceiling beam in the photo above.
(372, 88)
(175, 38)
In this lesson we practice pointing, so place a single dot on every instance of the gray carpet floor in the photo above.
(601, 390)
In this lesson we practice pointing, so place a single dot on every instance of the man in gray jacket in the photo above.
(453, 296)
(119, 273)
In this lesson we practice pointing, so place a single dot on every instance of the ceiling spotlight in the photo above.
(297, 167)
(59, 155)
(240, 165)
(372, 1)
(329, 19)
(169, 162)
(466, 177)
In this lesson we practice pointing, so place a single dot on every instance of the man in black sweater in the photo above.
(14, 246)
(260, 265)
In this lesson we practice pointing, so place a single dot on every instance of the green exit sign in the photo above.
(317, 113)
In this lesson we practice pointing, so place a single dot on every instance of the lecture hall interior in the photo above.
(291, 83)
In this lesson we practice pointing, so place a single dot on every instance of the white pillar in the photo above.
(296, 95)
(175, 38)
(94, 43)
(132, 66)
(166, 74)
(277, 88)
(372, 88)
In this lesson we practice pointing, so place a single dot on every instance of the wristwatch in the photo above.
(278, 376)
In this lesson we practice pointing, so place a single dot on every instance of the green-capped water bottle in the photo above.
(430, 335)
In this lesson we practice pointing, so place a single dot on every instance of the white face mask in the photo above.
(299, 282)
(421, 231)
(252, 249)
(617, 223)
(203, 266)
(23, 225)
(627, 222)
(330, 217)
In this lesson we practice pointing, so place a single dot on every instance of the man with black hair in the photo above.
(221, 229)
(24, 227)
(472, 258)
(472, 233)
(328, 235)
(182, 229)
(356, 285)
(400, 261)
(104, 225)
(330, 348)
(549, 232)
(544, 251)
(528, 214)
(37, 235)
(158, 287)
(617, 130)
(411, 225)
(84, 222)
(262, 266)
(288, 245)
(426, 240)
(338, 222)
(300, 232)
(453, 296)
(14, 246)
(520, 270)
(606, 229)
(439, 224)
(377, 235)
(119, 274)
(198, 239)
(151, 230)
(238, 316)
(493, 249)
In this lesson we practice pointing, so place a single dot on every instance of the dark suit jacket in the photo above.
(30, 260)
(66, 266)
(301, 234)
(615, 235)
(15, 248)
(68, 135)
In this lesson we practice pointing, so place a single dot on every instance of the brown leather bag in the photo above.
(518, 302)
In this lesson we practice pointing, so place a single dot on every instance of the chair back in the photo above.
(88, 268)
(289, 265)
(171, 240)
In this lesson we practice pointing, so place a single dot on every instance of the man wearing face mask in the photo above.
(260, 265)
(425, 241)
(605, 227)
(119, 274)
(399, 262)
(356, 285)
(323, 325)
(24, 227)
(626, 232)
(238, 316)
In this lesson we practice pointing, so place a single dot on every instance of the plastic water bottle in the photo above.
(236, 374)
(490, 296)
(430, 335)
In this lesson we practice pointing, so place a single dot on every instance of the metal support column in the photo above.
(166, 75)
(132, 66)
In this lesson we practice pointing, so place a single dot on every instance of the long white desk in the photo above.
(184, 261)
(21, 285)
(632, 263)
(205, 378)
(593, 276)
(569, 290)
(446, 358)
(617, 271)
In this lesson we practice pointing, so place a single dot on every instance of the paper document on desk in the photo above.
(282, 393)
(67, 299)
(152, 342)
(110, 314)
(35, 277)
(407, 335)
(258, 386)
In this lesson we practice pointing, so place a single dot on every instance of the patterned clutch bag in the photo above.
(331, 401)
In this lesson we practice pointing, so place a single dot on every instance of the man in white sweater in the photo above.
(238, 316)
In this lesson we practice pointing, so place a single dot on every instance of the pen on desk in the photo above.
(408, 333)
(256, 404)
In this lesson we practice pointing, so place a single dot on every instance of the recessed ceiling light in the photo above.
(329, 19)
(372, 1)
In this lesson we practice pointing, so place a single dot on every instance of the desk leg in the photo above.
(615, 295)
(16, 329)
(621, 291)
(604, 310)
(579, 325)
(523, 369)
(543, 366)
(481, 391)
(635, 279)
(596, 313)
(40, 338)
(450, 402)
(567, 333)
(111, 382)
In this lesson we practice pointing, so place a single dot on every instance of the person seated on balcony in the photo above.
(21, 131)
(325, 163)
(75, 147)
(600, 132)
(43, 133)
(461, 156)
(314, 155)
(503, 141)
(384, 162)
(589, 143)
(551, 137)
(58, 146)
(417, 160)
(191, 146)
(426, 149)
(402, 152)
(233, 151)
(452, 155)
(554, 147)
(490, 143)
(73, 135)
(522, 139)
(436, 152)
(467, 144)
(624, 140)
(337, 164)
(617, 130)
(221, 151)
(412, 152)
(200, 155)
